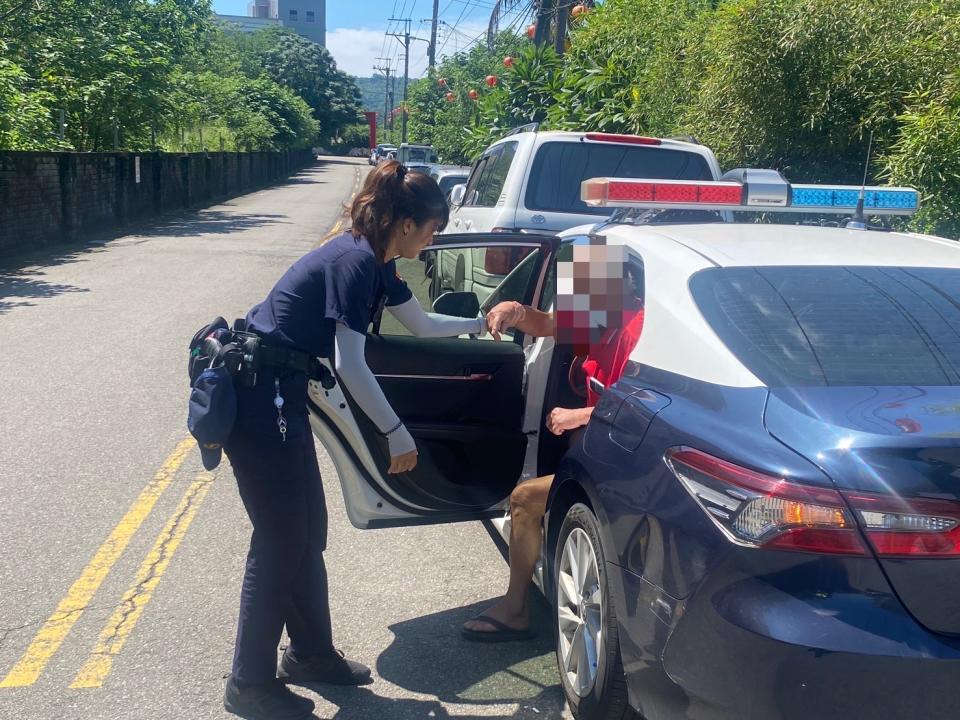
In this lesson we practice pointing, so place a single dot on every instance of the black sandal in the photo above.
(503, 633)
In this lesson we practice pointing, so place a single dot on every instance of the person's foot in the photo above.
(334, 669)
(502, 613)
(270, 701)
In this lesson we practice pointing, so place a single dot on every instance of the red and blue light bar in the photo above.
(747, 190)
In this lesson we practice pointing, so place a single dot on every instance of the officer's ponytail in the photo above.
(390, 195)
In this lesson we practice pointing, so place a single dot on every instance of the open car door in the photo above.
(461, 399)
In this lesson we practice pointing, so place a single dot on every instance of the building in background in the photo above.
(306, 17)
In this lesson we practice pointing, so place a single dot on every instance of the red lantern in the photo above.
(491, 80)
(451, 97)
(579, 10)
(473, 94)
(531, 31)
(442, 82)
(508, 62)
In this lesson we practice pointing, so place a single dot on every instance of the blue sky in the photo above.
(355, 29)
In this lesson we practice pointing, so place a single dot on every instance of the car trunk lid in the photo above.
(894, 455)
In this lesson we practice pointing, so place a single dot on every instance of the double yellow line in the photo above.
(120, 625)
(344, 216)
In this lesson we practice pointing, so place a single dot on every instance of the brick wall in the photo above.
(49, 198)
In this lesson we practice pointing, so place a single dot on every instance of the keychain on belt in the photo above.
(278, 403)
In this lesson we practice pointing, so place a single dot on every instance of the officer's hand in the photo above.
(503, 316)
(403, 463)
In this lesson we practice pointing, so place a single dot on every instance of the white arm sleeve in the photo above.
(355, 374)
(424, 324)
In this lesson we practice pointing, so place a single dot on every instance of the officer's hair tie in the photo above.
(401, 171)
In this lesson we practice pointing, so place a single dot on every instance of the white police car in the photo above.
(762, 518)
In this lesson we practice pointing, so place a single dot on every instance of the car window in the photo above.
(463, 270)
(836, 326)
(476, 176)
(559, 168)
(495, 176)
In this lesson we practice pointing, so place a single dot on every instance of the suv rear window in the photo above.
(834, 326)
(560, 167)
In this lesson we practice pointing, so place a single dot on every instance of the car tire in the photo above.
(585, 621)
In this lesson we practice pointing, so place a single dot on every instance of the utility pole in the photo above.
(560, 40)
(543, 22)
(433, 33)
(405, 39)
(385, 69)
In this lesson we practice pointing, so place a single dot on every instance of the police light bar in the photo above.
(747, 190)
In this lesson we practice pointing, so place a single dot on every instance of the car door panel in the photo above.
(461, 400)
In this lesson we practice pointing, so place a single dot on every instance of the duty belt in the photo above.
(286, 358)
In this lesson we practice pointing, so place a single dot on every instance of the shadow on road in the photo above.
(363, 704)
(19, 288)
(429, 657)
(212, 222)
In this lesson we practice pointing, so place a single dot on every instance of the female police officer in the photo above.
(321, 307)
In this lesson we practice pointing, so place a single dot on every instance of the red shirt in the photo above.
(607, 361)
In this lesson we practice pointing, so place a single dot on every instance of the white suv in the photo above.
(529, 181)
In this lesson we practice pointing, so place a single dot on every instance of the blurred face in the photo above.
(410, 238)
(594, 295)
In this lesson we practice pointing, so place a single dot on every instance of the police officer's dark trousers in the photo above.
(286, 580)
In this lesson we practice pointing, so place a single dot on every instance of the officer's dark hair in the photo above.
(390, 195)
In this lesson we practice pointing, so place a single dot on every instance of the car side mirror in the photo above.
(457, 195)
(458, 304)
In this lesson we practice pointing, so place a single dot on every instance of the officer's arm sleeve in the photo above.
(355, 374)
(424, 324)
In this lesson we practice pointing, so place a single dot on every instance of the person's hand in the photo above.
(403, 463)
(504, 315)
(562, 419)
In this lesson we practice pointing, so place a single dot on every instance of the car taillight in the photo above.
(764, 511)
(500, 261)
(908, 527)
(629, 139)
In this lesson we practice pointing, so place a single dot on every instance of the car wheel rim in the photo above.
(579, 612)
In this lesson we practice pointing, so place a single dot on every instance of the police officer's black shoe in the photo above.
(266, 701)
(334, 669)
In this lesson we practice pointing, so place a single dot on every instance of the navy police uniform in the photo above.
(279, 480)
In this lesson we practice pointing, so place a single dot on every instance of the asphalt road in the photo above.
(121, 560)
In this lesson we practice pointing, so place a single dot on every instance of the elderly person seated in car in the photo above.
(599, 314)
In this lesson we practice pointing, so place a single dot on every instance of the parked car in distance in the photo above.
(411, 154)
(381, 151)
(449, 176)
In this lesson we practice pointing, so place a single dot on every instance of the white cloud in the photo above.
(356, 49)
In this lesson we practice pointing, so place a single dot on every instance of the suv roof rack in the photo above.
(529, 127)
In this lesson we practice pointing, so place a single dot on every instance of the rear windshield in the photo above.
(415, 154)
(560, 167)
(822, 326)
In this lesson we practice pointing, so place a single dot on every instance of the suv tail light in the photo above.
(629, 139)
(501, 260)
(757, 510)
(909, 527)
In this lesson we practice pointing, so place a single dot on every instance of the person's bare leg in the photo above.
(528, 502)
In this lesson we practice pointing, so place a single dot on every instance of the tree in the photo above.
(307, 69)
